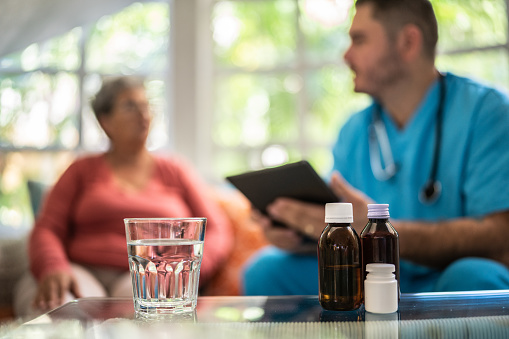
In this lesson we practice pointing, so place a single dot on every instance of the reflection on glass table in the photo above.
(431, 315)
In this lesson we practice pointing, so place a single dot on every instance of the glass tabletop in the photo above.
(429, 315)
(300, 308)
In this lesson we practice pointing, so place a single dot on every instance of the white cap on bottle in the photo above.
(338, 212)
(378, 211)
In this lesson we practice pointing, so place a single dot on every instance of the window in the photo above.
(282, 90)
(247, 84)
(473, 39)
(45, 116)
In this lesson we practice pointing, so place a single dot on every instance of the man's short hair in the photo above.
(395, 14)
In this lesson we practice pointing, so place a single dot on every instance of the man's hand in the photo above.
(357, 198)
(302, 217)
(282, 237)
(53, 288)
(308, 219)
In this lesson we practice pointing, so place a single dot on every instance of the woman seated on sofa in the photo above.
(77, 247)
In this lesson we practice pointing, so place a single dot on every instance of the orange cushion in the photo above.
(249, 238)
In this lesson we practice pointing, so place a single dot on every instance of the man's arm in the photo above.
(434, 244)
(438, 244)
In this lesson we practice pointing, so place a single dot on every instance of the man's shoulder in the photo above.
(355, 126)
(475, 89)
(360, 119)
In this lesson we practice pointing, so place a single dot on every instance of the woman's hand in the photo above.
(53, 288)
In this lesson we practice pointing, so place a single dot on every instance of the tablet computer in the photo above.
(296, 180)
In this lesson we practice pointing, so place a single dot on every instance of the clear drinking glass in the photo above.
(164, 259)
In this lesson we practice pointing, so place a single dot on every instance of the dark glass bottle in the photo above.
(379, 239)
(339, 261)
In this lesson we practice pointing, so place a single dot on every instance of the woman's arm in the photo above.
(47, 251)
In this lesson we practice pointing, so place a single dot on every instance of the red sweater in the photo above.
(81, 219)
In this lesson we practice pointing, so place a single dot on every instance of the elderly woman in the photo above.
(78, 246)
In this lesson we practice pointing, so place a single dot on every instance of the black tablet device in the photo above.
(296, 180)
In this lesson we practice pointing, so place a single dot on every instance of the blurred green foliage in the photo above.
(279, 79)
(44, 96)
(282, 80)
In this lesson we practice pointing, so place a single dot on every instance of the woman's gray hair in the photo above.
(103, 102)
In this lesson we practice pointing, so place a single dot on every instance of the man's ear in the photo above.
(410, 42)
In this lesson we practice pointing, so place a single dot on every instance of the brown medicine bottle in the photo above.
(339, 260)
(379, 239)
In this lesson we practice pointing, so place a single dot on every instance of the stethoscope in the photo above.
(378, 139)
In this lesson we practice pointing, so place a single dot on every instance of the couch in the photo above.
(248, 239)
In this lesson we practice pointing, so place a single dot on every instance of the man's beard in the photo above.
(387, 71)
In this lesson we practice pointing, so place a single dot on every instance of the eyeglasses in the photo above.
(132, 106)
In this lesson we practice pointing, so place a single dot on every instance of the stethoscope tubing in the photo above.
(378, 143)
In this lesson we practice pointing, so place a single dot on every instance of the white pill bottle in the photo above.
(380, 289)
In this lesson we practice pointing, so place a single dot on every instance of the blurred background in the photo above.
(234, 85)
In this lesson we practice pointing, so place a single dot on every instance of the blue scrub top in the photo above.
(473, 166)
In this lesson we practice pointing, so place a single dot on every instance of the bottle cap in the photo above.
(378, 211)
(380, 268)
(338, 212)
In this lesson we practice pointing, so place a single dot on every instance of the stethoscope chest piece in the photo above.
(430, 192)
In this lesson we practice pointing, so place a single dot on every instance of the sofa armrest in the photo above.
(248, 239)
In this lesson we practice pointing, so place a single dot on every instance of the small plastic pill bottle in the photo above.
(380, 289)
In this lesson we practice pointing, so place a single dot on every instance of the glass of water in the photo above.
(164, 259)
